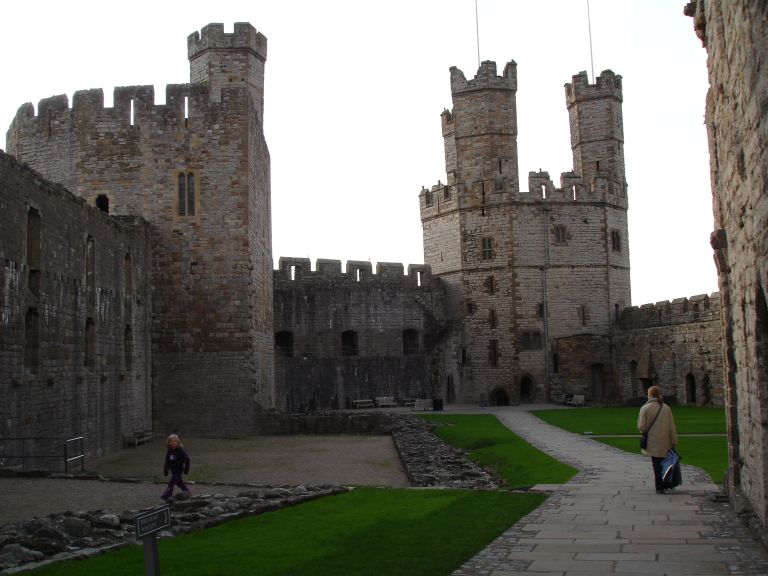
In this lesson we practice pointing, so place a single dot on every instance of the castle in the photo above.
(139, 292)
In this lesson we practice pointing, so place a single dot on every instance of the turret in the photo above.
(597, 132)
(220, 60)
(480, 132)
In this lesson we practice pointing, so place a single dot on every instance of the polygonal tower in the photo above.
(524, 270)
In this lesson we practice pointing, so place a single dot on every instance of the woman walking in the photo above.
(656, 421)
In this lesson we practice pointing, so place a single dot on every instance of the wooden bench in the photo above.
(576, 400)
(422, 404)
(363, 403)
(384, 401)
(136, 438)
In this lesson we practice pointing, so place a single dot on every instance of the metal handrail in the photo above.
(65, 455)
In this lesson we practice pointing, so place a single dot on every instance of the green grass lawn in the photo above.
(363, 532)
(709, 453)
(495, 447)
(688, 420)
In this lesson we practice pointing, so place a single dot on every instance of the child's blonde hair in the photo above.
(173, 437)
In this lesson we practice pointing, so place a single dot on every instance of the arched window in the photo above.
(349, 343)
(410, 341)
(284, 343)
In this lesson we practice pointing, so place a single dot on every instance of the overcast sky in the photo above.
(354, 92)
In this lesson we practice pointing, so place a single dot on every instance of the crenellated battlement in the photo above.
(699, 308)
(213, 36)
(187, 108)
(486, 78)
(356, 271)
(607, 84)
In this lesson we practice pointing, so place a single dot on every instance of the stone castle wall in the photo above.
(342, 336)
(735, 35)
(75, 311)
(211, 264)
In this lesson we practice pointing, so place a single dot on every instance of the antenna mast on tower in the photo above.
(477, 34)
(589, 26)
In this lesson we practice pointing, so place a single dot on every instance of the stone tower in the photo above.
(196, 168)
(523, 269)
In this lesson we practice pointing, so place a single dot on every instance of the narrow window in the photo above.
(427, 198)
(90, 343)
(597, 166)
(34, 237)
(349, 343)
(186, 110)
(32, 341)
(128, 348)
(182, 194)
(132, 119)
(543, 190)
(493, 353)
(464, 359)
(470, 307)
(490, 284)
(696, 313)
(582, 312)
(561, 236)
(293, 272)
(615, 240)
(284, 343)
(102, 203)
(540, 310)
(446, 193)
(358, 274)
(616, 311)
(487, 249)
(525, 341)
(555, 363)
(573, 191)
(191, 194)
(410, 341)
(536, 341)
(418, 278)
(492, 320)
(128, 275)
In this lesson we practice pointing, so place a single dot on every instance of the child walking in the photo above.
(177, 462)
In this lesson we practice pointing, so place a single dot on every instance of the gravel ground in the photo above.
(262, 460)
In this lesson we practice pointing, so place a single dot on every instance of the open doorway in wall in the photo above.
(690, 389)
(527, 389)
(598, 376)
(499, 397)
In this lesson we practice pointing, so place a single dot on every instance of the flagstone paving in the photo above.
(609, 520)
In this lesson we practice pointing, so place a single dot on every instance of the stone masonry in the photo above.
(524, 295)
(735, 35)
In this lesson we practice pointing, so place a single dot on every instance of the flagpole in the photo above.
(589, 25)
(477, 35)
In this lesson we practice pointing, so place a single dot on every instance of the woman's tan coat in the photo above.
(663, 435)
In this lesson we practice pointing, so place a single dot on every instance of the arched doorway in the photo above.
(690, 388)
(499, 397)
(527, 389)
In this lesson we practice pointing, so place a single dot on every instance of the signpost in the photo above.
(147, 525)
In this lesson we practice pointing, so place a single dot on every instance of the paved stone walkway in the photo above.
(609, 520)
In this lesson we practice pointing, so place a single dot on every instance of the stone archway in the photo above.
(527, 389)
(499, 397)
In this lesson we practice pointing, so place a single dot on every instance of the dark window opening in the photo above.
(34, 239)
(525, 341)
(90, 343)
(582, 312)
(540, 310)
(427, 198)
(464, 357)
(555, 362)
(561, 235)
(487, 249)
(492, 320)
(490, 284)
(615, 240)
(128, 275)
(536, 341)
(102, 203)
(410, 341)
(493, 353)
(349, 343)
(186, 194)
(696, 312)
(128, 348)
(446, 193)
(190, 194)
(284, 343)
(690, 389)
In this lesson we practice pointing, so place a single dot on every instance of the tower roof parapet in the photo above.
(213, 36)
(486, 78)
(606, 85)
